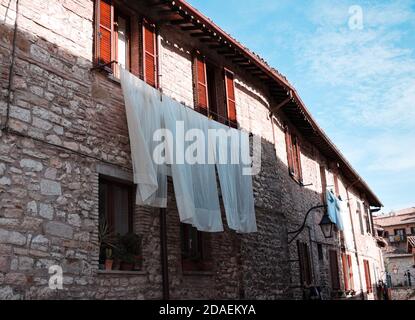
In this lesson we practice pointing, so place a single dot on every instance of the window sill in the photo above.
(198, 273)
(122, 273)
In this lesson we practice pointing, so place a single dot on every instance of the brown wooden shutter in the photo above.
(135, 46)
(200, 84)
(149, 53)
(305, 263)
(230, 97)
(105, 19)
(350, 265)
(299, 171)
(367, 276)
(345, 272)
(289, 150)
(334, 270)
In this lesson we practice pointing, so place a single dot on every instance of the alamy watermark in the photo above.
(356, 18)
(56, 278)
(220, 146)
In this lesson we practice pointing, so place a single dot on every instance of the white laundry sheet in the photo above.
(195, 185)
(236, 187)
(347, 225)
(144, 117)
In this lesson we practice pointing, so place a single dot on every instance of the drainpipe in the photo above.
(354, 236)
(11, 69)
(163, 255)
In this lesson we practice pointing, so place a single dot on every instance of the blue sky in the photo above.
(358, 83)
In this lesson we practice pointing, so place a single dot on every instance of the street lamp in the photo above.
(326, 225)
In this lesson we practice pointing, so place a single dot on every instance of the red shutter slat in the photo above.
(230, 96)
(149, 54)
(105, 31)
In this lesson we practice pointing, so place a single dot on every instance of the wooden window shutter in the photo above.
(135, 46)
(105, 31)
(305, 263)
(367, 276)
(345, 265)
(200, 84)
(230, 97)
(289, 150)
(297, 155)
(351, 277)
(334, 270)
(149, 53)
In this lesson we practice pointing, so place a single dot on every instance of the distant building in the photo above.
(398, 229)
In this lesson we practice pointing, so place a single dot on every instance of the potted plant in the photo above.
(131, 252)
(106, 242)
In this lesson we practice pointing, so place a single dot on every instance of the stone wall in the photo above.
(67, 126)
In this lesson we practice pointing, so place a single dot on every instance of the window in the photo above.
(200, 85)
(305, 263)
(149, 53)
(113, 37)
(347, 272)
(294, 155)
(359, 213)
(323, 184)
(400, 235)
(413, 230)
(230, 98)
(320, 252)
(367, 218)
(117, 240)
(205, 82)
(367, 276)
(196, 250)
(334, 270)
(119, 42)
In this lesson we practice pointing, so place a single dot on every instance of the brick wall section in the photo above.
(68, 121)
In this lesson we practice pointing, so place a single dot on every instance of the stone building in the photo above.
(65, 160)
(398, 229)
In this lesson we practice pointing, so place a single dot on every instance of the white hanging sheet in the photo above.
(144, 116)
(231, 148)
(195, 184)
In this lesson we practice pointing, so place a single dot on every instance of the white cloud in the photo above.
(373, 69)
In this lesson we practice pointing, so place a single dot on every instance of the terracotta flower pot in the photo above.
(108, 264)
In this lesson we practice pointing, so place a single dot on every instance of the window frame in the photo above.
(203, 261)
(334, 270)
(117, 14)
(306, 271)
(293, 155)
(110, 215)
